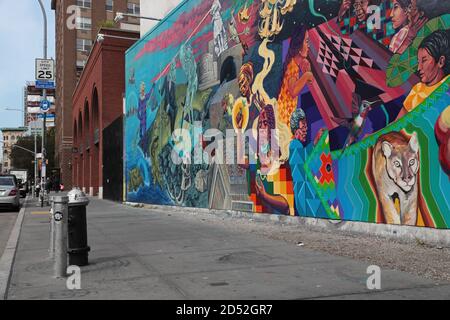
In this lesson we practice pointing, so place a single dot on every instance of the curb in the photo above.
(436, 237)
(7, 259)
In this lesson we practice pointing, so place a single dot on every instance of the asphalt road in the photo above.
(7, 220)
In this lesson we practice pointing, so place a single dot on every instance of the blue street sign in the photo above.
(45, 84)
(49, 116)
(45, 105)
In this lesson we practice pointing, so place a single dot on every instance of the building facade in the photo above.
(10, 137)
(77, 23)
(98, 105)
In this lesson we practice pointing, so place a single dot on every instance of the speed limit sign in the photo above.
(45, 70)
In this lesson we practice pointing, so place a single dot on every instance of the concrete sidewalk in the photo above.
(150, 254)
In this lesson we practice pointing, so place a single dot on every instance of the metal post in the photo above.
(44, 93)
(52, 231)
(35, 165)
(60, 217)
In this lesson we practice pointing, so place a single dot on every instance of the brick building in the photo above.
(10, 137)
(77, 23)
(98, 105)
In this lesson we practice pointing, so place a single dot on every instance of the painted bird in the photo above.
(360, 111)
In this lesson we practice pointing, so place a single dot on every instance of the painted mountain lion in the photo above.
(395, 168)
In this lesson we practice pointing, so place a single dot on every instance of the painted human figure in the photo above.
(360, 8)
(142, 112)
(369, 16)
(267, 156)
(433, 67)
(408, 21)
(190, 69)
(169, 93)
(299, 127)
(297, 74)
(220, 34)
(246, 77)
(442, 133)
(301, 147)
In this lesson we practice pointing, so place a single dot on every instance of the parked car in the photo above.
(9, 192)
(22, 178)
(23, 188)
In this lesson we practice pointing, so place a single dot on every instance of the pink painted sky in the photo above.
(185, 25)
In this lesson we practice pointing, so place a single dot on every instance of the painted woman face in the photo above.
(430, 70)
(305, 48)
(398, 15)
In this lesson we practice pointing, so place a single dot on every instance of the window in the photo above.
(84, 45)
(81, 63)
(13, 138)
(109, 5)
(84, 23)
(84, 3)
(6, 181)
(133, 8)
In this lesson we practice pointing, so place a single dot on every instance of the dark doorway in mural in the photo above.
(228, 70)
(112, 161)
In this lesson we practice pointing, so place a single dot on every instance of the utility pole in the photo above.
(44, 94)
(35, 163)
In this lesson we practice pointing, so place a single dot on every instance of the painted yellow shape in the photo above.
(397, 204)
(40, 213)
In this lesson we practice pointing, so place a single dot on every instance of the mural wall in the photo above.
(336, 109)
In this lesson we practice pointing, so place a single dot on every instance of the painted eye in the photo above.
(397, 164)
(412, 162)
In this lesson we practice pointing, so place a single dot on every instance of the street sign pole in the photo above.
(44, 93)
(35, 165)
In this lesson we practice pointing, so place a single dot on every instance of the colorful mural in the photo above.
(336, 109)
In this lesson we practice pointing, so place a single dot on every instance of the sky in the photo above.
(21, 41)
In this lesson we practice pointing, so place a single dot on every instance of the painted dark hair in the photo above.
(438, 44)
(296, 116)
(296, 43)
(295, 46)
(404, 3)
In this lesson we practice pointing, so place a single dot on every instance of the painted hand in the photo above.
(346, 4)
(239, 120)
(309, 77)
(260, 191)
(416, 21)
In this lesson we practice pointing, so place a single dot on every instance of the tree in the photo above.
(22, 159)
(106, 24)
